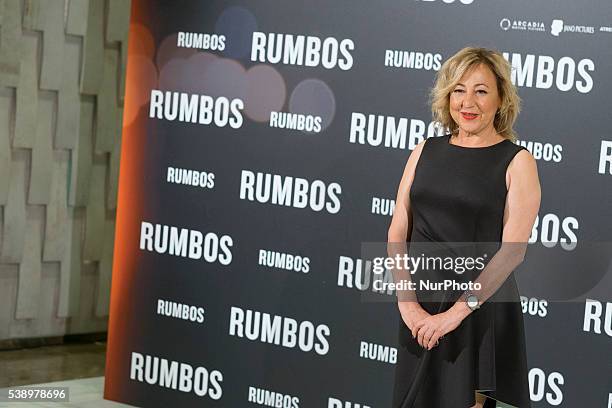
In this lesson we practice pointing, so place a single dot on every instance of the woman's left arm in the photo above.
(521, 209)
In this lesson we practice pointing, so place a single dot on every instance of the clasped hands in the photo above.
(426, 328)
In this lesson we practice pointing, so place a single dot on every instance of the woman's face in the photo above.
(474, 101)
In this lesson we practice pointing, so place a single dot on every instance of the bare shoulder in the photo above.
(411, 164)
(416, 152)
(523, 163)
(523, 171)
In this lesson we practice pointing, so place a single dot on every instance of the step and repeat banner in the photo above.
(263, 144)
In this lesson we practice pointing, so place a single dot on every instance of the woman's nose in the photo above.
(468, 98)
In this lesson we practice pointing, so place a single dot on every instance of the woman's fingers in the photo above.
(416, 327)
(420, 335)
(434, 340)
(428, 338)
(431, 340)
(421, 331)
(427, 334)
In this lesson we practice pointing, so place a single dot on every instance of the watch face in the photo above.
(472, 301)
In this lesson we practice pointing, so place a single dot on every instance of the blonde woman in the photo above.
(467, 349)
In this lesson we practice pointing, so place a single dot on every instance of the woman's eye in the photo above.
(478, 91)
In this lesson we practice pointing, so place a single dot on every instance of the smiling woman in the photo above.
(475, 102)
(474, 95)
(473, 185)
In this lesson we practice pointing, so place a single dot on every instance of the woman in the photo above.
(467, 349)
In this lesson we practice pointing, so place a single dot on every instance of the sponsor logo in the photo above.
(558, 26)
(507, 24)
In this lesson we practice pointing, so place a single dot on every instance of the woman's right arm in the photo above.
(399, 233)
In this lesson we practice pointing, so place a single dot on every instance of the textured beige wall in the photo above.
(62, 69)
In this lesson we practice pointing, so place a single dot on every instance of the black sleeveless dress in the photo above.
(458, 195)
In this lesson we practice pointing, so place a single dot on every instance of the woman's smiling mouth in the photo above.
(469, 116)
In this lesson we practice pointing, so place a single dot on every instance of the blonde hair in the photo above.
(450, 74)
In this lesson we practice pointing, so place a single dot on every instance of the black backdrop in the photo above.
(565, 83)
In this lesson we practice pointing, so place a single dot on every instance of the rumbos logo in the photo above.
(279, 330)
(388, 131)
(303, 50)
(176, 375)
(545, 72)
(546, 387)
(290, 191)
(597, 317)
(543, 151)
(268, 398)
(202, 109)
(605, 157)
(200, 41)
(426, 61)
(186, 243)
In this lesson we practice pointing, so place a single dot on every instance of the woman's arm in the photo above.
(522, 206)
(401, 227)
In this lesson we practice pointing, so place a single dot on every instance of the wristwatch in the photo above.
(471, 300)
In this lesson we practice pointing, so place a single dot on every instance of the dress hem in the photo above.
(498, 400)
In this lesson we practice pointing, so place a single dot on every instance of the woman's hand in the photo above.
(412, 313)
(427, 331)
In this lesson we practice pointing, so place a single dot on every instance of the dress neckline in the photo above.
(448, 138)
